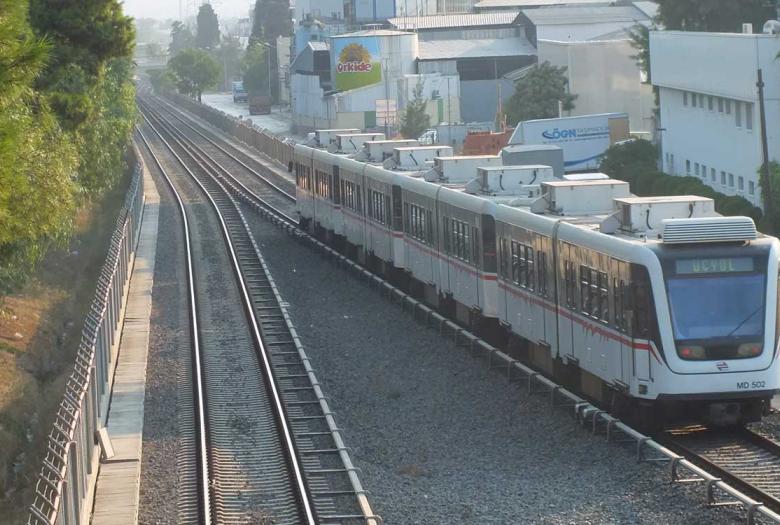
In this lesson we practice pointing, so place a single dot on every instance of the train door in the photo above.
(643, 321)
(338, 220)
(622, 314)
(567, 299)
(545, 315)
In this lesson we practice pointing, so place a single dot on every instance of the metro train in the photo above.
(658, 307)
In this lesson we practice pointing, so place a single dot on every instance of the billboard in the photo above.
(357, 62)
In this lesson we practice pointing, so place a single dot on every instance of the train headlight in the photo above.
(749, 349)
(691, 352)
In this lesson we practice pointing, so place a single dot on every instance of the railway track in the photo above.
(255, 173)
(747, 460)
(273, 452)
(740, 459)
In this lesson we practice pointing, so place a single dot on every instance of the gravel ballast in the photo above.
(442, 439)
(169, 342)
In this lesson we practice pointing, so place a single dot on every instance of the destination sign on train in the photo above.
(717, 265)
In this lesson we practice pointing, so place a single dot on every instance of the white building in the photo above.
(710, 118)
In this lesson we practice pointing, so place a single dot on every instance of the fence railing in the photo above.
(65, 485)
(262, 140)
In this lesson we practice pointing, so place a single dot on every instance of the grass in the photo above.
(48, 314)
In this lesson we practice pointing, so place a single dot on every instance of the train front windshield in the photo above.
(717, 306)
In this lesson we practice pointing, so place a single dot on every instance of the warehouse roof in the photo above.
(521, 4)
(371, 32)
(455, 20)
(483, 48)
(584, 15)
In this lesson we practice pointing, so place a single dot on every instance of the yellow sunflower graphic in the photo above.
(354, 53)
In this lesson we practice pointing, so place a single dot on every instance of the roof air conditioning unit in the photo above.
(747, 28)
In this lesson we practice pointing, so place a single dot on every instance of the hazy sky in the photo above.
(164, 9)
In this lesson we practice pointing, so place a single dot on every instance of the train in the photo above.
(656, 307)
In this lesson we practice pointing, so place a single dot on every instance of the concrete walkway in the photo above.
(118, 483)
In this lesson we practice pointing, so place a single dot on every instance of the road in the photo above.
(278, 122)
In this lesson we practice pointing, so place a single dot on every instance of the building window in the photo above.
(685, 98)
(749, 116)
(713, 175)
(710, 103)
(696, 168)
(720, 105)
(687, 167)
(723, 178)
(731, 180)
(693, 99)
(741, 183)
(751, 187)
(728, 106)
(738, 113)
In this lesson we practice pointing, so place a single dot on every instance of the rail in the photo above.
(263, 141)
(65, 485)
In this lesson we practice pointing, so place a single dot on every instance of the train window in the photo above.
(523, 265)
(461, 241)
(475, 248)
(429, 222)
(417, 222)
(570, 277)
(541, 271)
(503, 258)
(585, 297)
(377, 206)
(603, 297)
(446, 234)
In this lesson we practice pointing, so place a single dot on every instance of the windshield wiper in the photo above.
(745, 320)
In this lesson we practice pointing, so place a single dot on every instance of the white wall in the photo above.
(319, 8)
(723, 67)
(605, 77)
(577, 32)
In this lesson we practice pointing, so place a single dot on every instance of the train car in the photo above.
(304, 185)
(384, 234)
(352, 181)
(422, 246)
(662, 308)
(467, 266)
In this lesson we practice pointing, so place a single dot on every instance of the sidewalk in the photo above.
(118, 483)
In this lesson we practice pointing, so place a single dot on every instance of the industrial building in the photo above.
(711, 120)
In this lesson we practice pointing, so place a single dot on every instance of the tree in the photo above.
(714, 15)
(195, 71)
(256, 70)
(162, 80)
(537, 94)
(272, 19)
(181, 38)
(37, 159)
(88, 81)
(207, 34)
(229, 55)
(415, 120)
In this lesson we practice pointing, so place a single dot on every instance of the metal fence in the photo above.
(66, 482)
(275, 147)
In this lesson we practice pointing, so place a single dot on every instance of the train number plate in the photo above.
(751, 385)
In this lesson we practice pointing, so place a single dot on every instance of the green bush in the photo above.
(636, 162)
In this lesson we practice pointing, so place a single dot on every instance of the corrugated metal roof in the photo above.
(372, 32)
(584, 15)
(454, 20)
(648, 8)
(522, 4)
(494, 47)
(319, 46)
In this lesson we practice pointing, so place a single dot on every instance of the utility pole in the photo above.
(764, 146)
